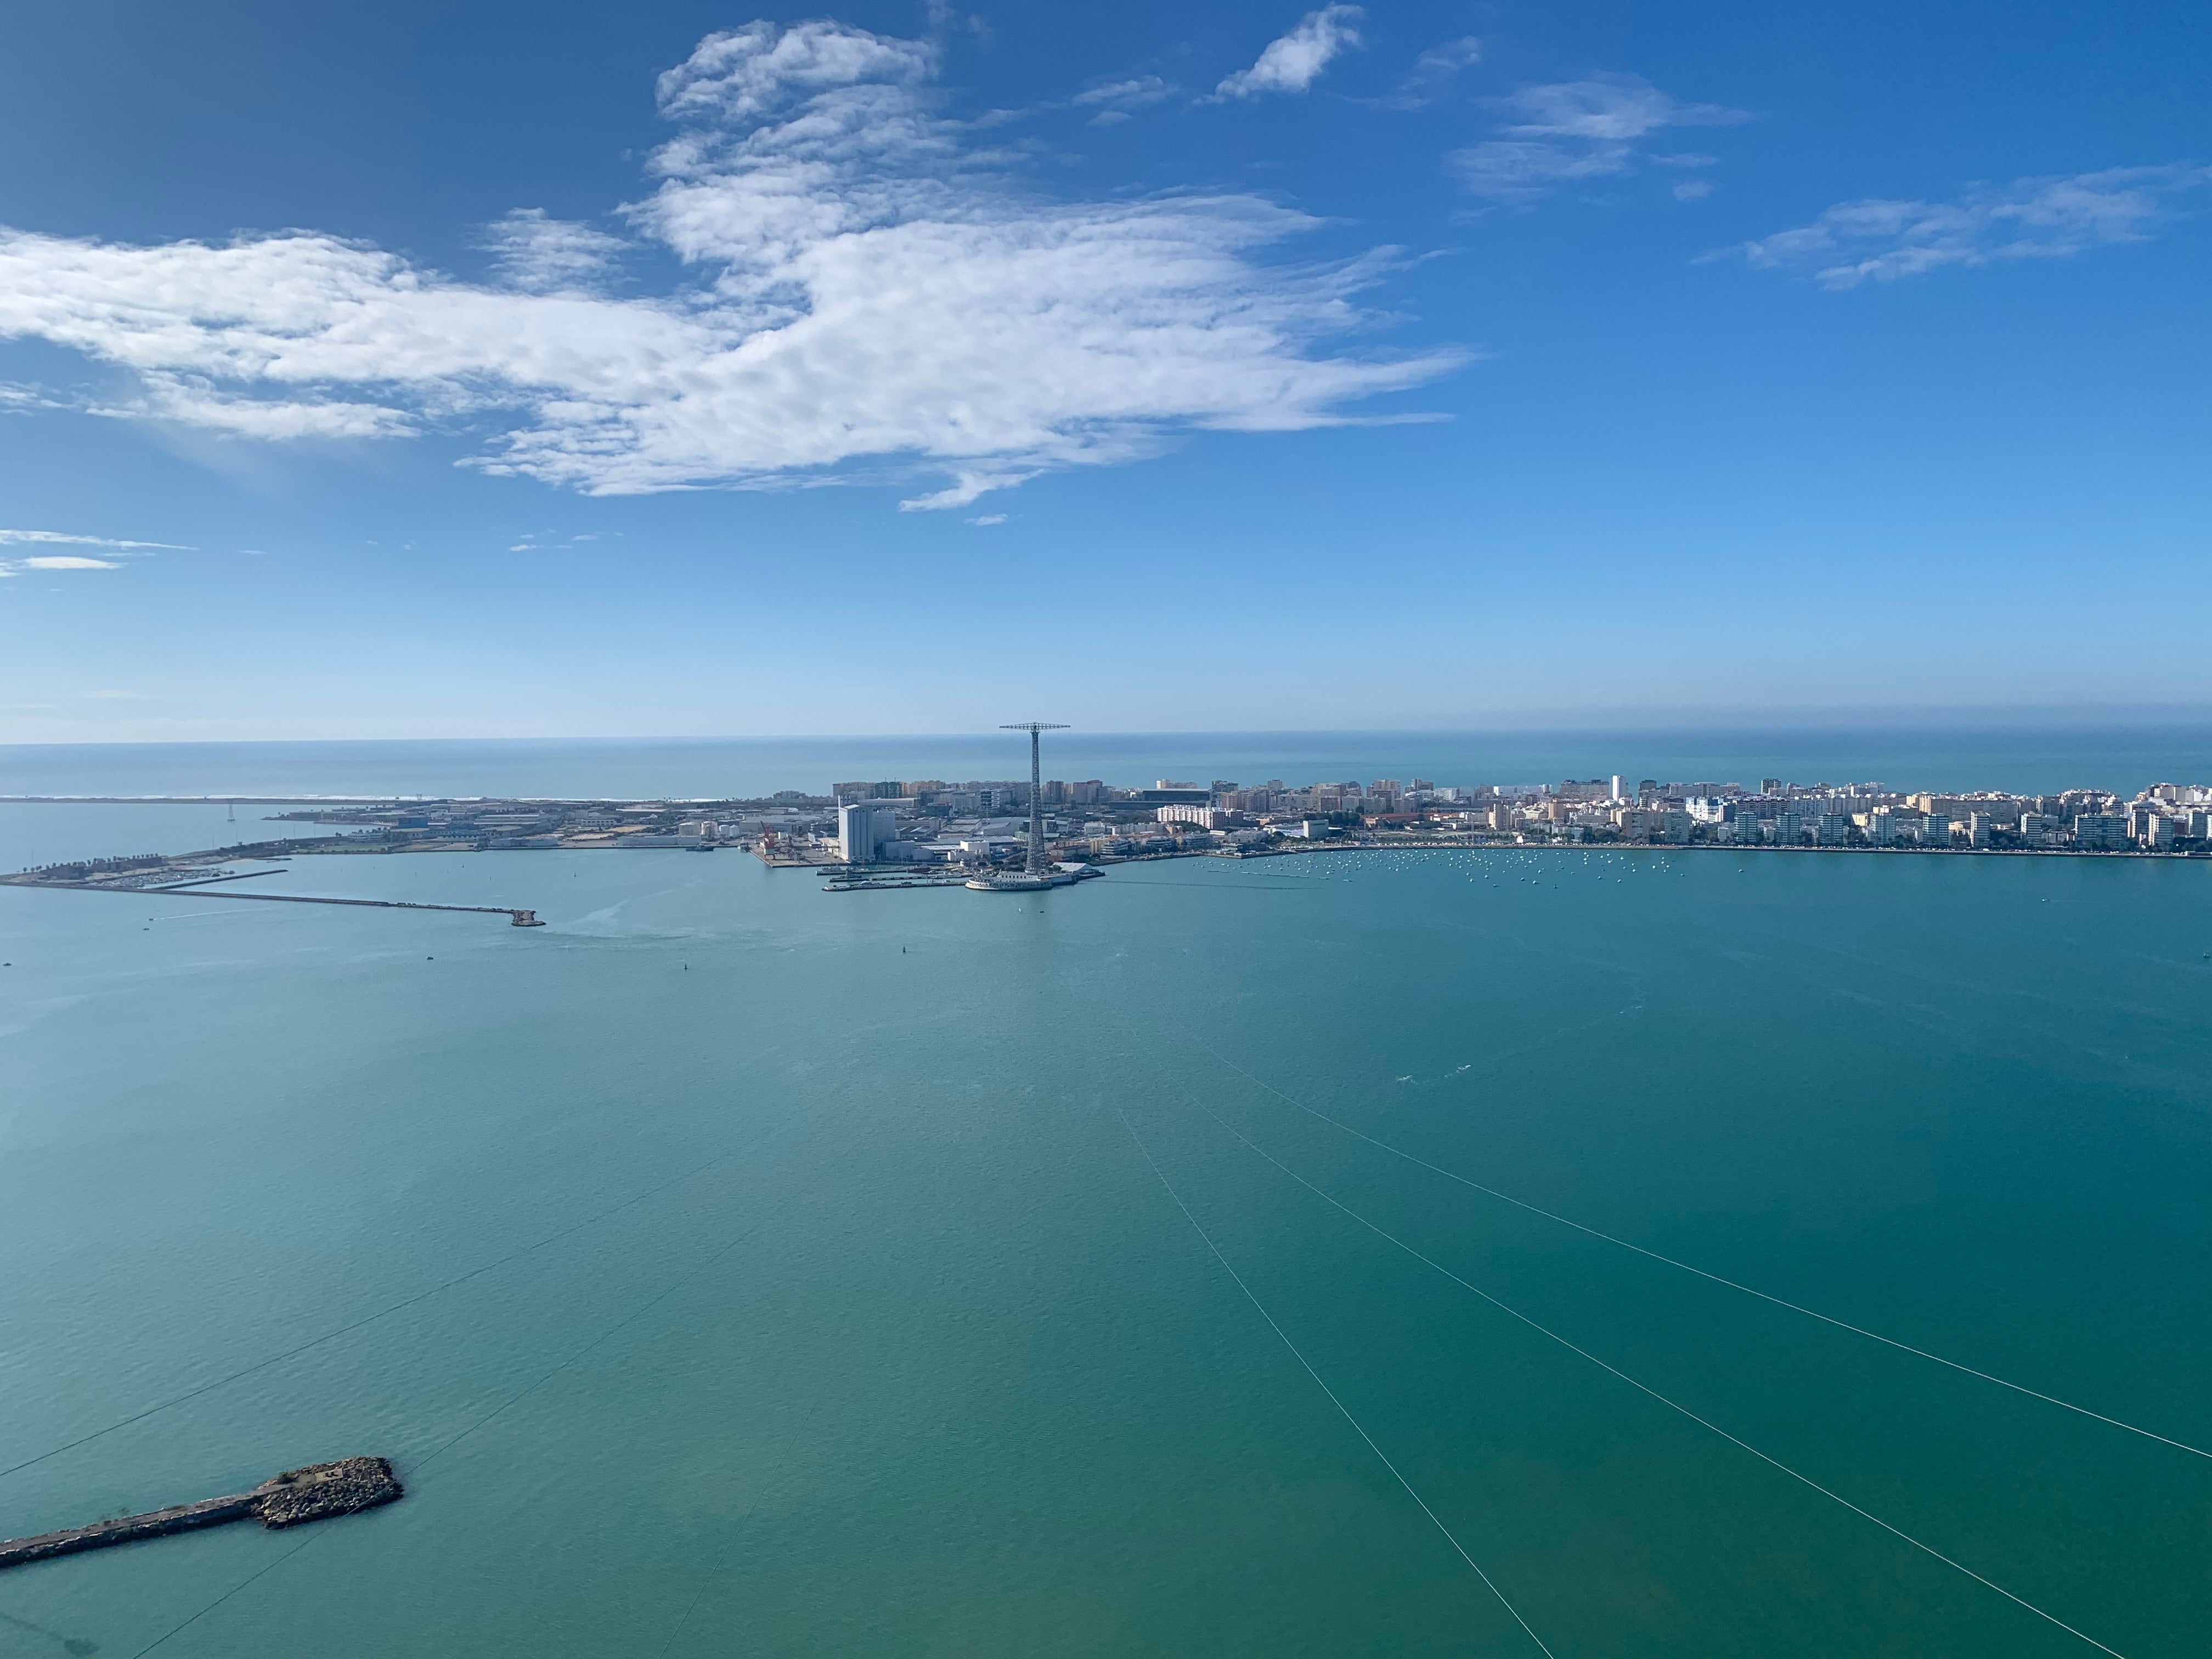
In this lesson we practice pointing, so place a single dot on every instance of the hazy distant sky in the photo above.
(507, 369)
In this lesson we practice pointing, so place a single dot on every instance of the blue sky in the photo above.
(546, 369)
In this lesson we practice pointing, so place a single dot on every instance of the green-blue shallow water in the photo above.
(808, 1287)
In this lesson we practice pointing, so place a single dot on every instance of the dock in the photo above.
(516, 918)
(316, 1492)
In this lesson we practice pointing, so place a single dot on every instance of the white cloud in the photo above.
(742, 75)
(872, 296)
(1117, 99)
(1609, 108)
(16, 537)
(543, 255)
(1140, 89)
(1295, 61)
(1433, 72)
(967, 487)
(531, 542)
(1567, 131)
(989, 518)
(57, 561)
(1507, 170)
(2041, 218)
(24, 399)
(1449, 58)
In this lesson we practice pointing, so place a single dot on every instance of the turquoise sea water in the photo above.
(735, 1268)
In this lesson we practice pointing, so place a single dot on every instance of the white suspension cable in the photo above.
(1809, 1313)
(1309, 1370)
(1646, 1389)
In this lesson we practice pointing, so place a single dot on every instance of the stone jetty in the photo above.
(314, 1493)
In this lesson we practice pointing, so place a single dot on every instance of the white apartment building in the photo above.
(862, 827)
(1206, 818)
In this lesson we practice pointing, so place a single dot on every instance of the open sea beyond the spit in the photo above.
(733, 1268)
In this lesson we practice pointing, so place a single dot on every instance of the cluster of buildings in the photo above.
(986, 823)
(929, 821)
(982, 828)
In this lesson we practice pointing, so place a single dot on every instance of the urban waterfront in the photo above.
(730, 1270)
(1013, 834)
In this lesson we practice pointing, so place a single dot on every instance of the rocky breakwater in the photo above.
(314, 1493)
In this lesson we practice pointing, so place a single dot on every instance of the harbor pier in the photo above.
(314, 1493)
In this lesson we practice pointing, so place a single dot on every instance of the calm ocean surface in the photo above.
(699, 767)
(732, 1268)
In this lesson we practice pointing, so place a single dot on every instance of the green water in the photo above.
(830, 1305)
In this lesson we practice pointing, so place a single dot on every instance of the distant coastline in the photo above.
(2020, 756)
(898, 830)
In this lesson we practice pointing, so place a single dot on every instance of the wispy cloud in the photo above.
(872, 294)
(16, 537)
(1117, 99)
(1295, 61)
(25, 400)
(542, 255)
(744, 75)
(534, 542)
(1433, 73)
(72, 561)
(1565, 132)
(989, 518)
(2042, 218)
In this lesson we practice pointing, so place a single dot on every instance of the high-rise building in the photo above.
(2100, 831)
(862, 829)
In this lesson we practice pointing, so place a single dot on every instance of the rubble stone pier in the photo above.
(314, 1493)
